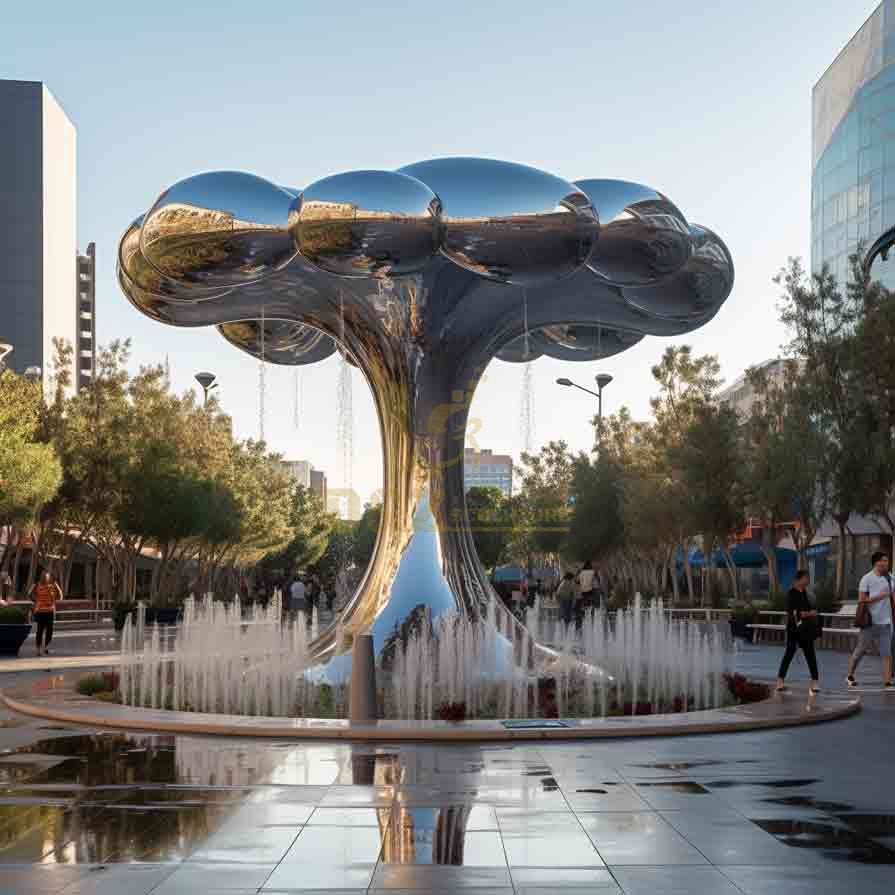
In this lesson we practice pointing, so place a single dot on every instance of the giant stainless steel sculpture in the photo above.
(420, 277)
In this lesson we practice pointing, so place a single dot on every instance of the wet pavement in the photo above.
(802, 810)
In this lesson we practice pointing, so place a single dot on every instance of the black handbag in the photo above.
(808, 630)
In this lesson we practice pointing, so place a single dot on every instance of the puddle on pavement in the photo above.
(773, 784)
(599, 792)
(838, 843)
(689, 765)
(870, 824)
(811, 803)
(685, 786)
(103, 798)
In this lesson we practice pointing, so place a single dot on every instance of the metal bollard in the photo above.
(362, 696)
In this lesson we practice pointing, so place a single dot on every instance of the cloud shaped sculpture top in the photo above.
(423, 275)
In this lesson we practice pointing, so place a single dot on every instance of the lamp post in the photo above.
(207, 381)
(603, 379)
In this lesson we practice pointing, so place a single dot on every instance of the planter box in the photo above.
(12, 637)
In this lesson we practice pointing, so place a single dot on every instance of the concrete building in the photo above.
(318, 485)
(345, 502)
(741, 396)
(853, 137)
(39, 294)
(85, 351)
(300, 470)
(483, 468)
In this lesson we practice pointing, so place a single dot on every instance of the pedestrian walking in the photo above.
(586, 579)
(874, 617)
(802, 629)
(565, 595)
(46, 593)
(297, 597)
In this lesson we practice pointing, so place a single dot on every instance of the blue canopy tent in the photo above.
(747, 556)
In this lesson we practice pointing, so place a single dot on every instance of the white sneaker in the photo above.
(851, 682)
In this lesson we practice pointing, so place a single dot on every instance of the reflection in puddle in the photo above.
(809, 802)
(838, 843)
(686, 786)
(773, 784)
(689, 765)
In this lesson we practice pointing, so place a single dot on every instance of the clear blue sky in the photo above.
(708, 102)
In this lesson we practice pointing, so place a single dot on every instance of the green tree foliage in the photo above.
(30, 472)
(312, 527)
(487, 510)
(596, 524)
(365, 535)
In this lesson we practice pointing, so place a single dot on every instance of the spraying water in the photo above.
(256, 663)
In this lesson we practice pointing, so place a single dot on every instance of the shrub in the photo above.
(95, 684)
(120, 613)
(825, 596)
(452, 711)
(745, 691)
(745, 614)
(13, 615)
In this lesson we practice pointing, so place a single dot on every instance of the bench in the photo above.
(831, 637)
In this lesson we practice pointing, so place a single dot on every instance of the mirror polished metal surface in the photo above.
(643, 236)
(696, 292)
(285, 342)
(223, 228)
(367, 224)
(509, 222)
(436, 302)
(574, 343)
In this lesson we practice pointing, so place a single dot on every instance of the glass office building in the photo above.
(853, 136)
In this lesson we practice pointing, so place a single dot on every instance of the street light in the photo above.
(207, 381)
(603, 379)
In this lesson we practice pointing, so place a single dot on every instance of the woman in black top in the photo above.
(801, 631)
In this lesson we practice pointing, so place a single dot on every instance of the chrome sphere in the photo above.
(509, 222)
(643, 237)
(224, 228)
(696, 292)
(367, 224)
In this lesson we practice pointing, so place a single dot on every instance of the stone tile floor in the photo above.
(803, 810)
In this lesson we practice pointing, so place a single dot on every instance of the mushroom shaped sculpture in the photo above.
(422, 276)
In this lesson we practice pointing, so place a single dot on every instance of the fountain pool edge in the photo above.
(54, 699)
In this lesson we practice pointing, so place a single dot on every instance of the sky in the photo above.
(709, 103)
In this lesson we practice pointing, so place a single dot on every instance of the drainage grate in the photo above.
(535, 724)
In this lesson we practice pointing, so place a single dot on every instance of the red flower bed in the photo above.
(744, 690)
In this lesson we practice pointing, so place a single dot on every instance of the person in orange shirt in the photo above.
(46, 592)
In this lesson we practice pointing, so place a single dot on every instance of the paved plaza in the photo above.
(806, 810)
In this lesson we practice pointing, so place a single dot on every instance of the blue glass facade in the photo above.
(853, 180)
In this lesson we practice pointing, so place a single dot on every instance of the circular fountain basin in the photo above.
(55, 699)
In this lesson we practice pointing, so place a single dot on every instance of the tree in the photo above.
(311, 526)
(782, 453)
(596, 525)
(541, 510)
(30, 472)
(709, 459)
(486, 508)
(686, 383)
(822, 320)
(365, 534)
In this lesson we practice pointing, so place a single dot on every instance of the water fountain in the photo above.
(223, 662)
(420, 275)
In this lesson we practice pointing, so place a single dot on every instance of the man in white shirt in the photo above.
(875, 589)
(297, 597)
